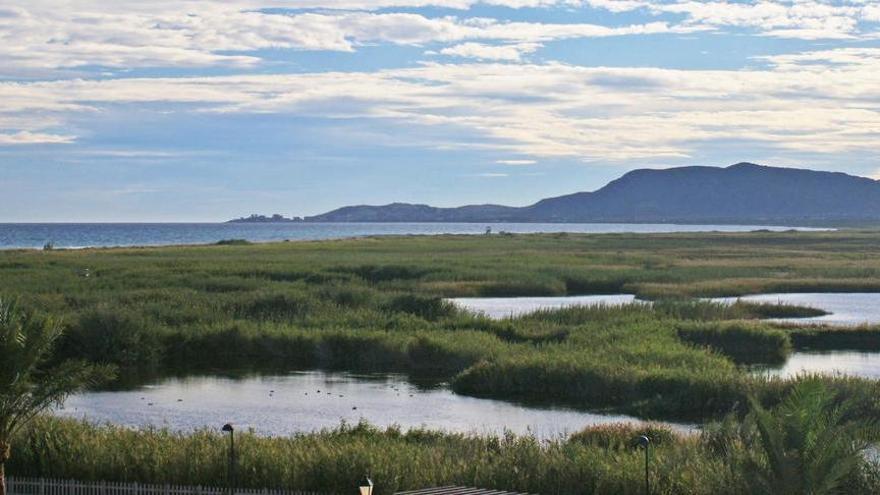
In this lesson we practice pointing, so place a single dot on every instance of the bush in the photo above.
(233, 242)
(744, 342)
(619, 436)
(114, 336)
(427, 307)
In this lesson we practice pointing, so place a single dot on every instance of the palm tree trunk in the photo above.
(2, 479)
(4, 456)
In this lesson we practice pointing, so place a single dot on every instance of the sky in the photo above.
(205, 110)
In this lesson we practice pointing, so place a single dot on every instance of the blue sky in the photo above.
(203, 110)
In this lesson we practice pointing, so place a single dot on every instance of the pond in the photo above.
(850, 308)
(312, 400)
(853, 363)
(505, 307)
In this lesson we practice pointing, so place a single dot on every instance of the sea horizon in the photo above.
(84, 235)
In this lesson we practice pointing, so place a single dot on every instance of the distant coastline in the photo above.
(106, 235)
(276, 218)
(741, 194)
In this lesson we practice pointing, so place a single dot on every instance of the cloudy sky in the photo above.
(201, 110)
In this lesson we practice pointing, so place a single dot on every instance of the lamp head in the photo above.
(366, 486)
(644, 441)
(227, 428)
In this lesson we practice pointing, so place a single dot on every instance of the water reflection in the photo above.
(309, 401)
(853, 363)
(850, 308)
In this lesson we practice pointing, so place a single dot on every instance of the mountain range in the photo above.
(744, 193)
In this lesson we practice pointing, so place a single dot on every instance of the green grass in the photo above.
(598, 460)
(744, 342)
(376, 304)
(823, 338)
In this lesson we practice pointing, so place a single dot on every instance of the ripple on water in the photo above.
(310, 401)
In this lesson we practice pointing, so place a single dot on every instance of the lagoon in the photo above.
(852, 363)
(851, 308)
(306, 401)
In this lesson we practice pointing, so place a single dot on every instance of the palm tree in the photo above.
(807, 444)
(29, 383)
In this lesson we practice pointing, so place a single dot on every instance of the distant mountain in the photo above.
(744, 193)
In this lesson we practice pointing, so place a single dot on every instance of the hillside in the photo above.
(741, 193)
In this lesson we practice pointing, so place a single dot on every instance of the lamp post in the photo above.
(230, 473)
(366, 486)
(645, 442)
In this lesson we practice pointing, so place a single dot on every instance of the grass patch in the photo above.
(823, 338)
(743, 342)
(374, 304)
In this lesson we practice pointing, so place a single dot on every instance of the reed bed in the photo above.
(376, 304)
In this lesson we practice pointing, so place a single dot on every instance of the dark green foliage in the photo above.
(623, 436)
(115, 336)
(427, 307)
(374, 304)
(385, 273)
(274, 306)
(810, 443)
(744, 342)
(599, 460)
(862, 338)
(334, 460)
(233, 242)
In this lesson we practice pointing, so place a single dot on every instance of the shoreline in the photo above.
(361, 230)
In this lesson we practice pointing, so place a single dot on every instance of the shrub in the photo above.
(618, 436)
(744, 342)
(114, 336)
(427, 307)
(233, 242)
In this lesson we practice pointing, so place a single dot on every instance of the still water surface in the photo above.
(77, 235)
(312, 400)
(852, 363)
(848, 308)
(845, 308)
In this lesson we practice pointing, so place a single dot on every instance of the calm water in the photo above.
(864, 364)
(851, 308)
(72, 235)
(503, 307)
(847, 309)
(309, 401)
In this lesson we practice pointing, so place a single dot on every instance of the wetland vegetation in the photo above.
(378, 304)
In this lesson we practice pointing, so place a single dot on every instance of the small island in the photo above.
(276, 218)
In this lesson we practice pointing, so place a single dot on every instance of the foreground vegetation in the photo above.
(810, 444)
(28, 384)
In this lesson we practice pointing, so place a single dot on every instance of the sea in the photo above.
(87, 235)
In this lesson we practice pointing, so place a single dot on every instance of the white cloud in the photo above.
(27, 137)
(43, 36)
(516, 162)
(530, 110)
(480, 51)
(40, 36)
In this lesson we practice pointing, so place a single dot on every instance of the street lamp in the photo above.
(230, 474)
(645, 442)
(366, 486)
